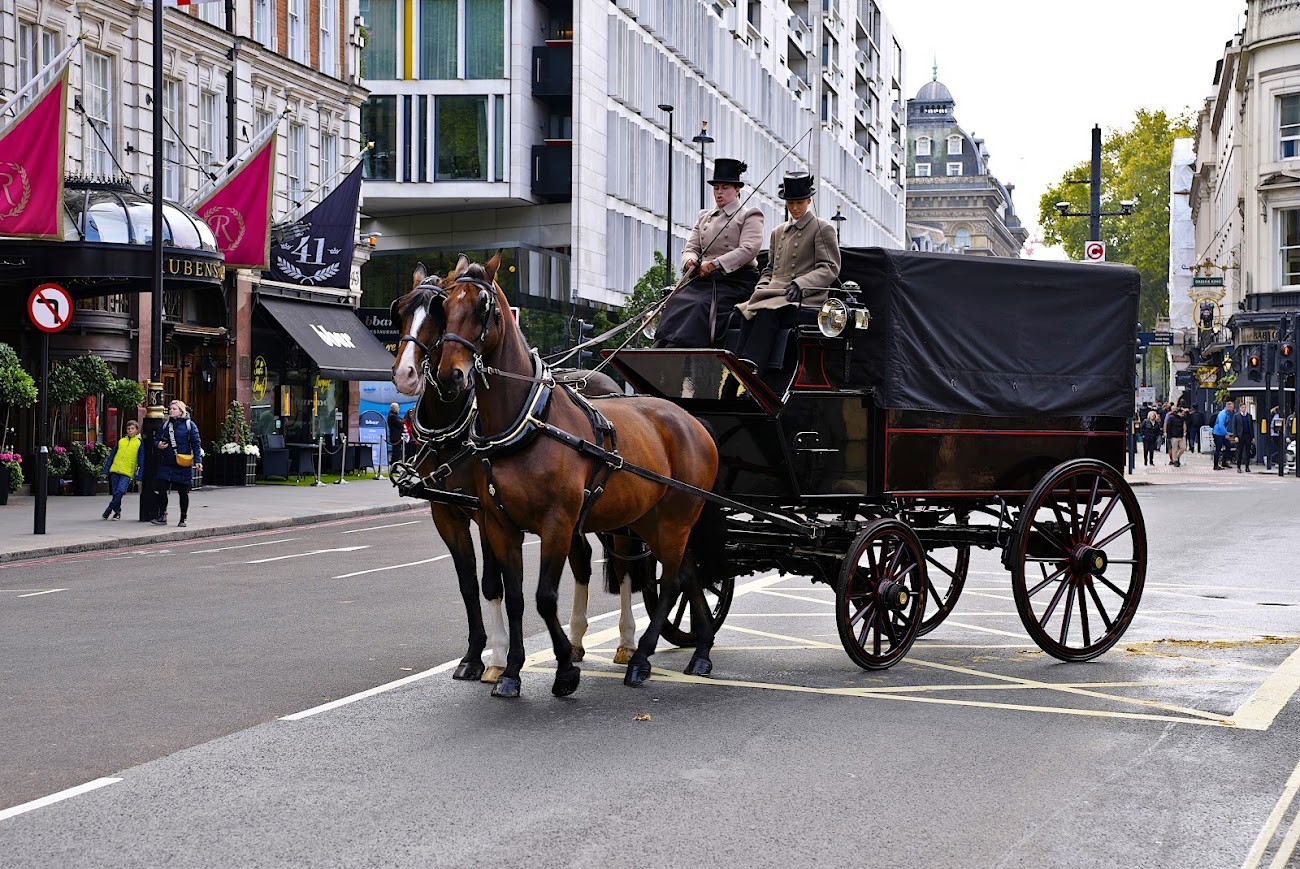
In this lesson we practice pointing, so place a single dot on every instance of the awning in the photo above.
(334, 337)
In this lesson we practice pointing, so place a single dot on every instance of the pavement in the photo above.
(74, 524)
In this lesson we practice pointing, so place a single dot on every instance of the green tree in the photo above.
(96, 376)
(17, 389)
(1134, 167)
(647, 291)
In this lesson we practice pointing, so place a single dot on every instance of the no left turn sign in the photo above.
(1095, 252)
(50, 307)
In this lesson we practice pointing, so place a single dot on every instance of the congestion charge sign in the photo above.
(50, 307)
(1095, 252)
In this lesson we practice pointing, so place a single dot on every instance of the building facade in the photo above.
(542, 127)
(1245, 207)
(230, 69)
(954, 203)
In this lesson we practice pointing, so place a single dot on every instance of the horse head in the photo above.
(420, 318)
(474, 324)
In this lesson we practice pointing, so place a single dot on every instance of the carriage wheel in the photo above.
(945, 575)
(1078, 560)
(677, 629)
(880, 599)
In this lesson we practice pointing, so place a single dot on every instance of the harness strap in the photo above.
(604, 434)
(495, 493)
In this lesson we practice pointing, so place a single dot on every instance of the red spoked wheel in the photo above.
(880, 599)
(678, 630)
(1078, 560)
(945, 577)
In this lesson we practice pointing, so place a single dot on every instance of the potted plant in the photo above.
(17, 390)
(11, 475)
(84, 472)
(236, 453)
(57, 466)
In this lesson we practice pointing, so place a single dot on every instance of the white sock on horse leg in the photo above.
(626, 621)
(578, 617)
(498, 637)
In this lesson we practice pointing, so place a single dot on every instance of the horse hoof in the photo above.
(468, 671)
(492, 674)
(566, 683)
(579, 653)
(698, 666)
(636, 675)
(506, 686)
(623, 655)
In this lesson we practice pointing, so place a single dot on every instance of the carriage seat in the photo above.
(780, 347)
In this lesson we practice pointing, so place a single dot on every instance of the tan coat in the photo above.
(734, 244)
(806, 252)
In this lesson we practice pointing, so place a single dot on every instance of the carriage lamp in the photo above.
(833, 318)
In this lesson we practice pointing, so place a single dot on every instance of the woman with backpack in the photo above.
(181, 452)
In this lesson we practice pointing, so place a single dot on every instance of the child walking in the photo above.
(124, 464)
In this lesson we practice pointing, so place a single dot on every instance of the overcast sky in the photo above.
(1031, 77)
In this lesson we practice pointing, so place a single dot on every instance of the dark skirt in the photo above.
(685, 319)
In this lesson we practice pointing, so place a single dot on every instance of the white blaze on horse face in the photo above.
(406, 374)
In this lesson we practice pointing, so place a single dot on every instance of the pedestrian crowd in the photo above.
(1239, 438)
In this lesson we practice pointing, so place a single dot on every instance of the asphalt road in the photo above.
(1180, 747)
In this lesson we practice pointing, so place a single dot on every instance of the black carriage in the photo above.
(936, 403)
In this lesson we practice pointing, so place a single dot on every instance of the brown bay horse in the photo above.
(440, 428)
(534, 483)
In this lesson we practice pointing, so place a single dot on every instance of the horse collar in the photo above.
(525, 428)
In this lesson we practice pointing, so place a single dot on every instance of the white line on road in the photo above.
(245, 545)
(59, 797)
(1274, 821)
(1258, 712)
(394, 566)
(343, 701)
(37, 593)
(379, 527)
(305, 554)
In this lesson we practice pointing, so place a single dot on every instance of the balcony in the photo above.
(553, 71)
(860, 105)
(553, 172)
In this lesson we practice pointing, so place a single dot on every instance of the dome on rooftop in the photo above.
(934, 92)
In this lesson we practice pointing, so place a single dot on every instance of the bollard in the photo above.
(320, 457)
(343, 461)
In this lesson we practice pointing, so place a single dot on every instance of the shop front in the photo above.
(305, 353)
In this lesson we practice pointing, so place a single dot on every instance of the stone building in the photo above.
(954, 203)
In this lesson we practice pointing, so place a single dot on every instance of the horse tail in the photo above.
(705, 544)
(627, 557)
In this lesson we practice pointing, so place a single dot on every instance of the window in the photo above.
(1290, 126)
(379, 57)
(439, 24)
(171, 109)
(329, 49)
(485, 33)
(329, 156)
(1291, 247)
(923, 146)
(36, 48)
(379, 125)
(209, 131)
(961, 240)
(213, 13)
(954, 168)
(922, 170)
(296, 30)
(262, 30)
(954, 144)
(97, 97)
(297, 163)
(462, 139)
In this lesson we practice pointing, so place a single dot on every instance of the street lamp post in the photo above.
(668, 206)
(154, 418)
(1094, 212)
(703, 138)
(838, 218)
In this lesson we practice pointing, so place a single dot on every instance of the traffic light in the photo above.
(1286, 357)
(1254, 367)
(585, 357)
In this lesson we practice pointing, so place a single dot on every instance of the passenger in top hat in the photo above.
(804, 259)
(720, 260)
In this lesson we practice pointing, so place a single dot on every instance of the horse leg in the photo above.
(555, 547)
(580, 564)
(638, 668)
(626, 623)
(701, 620)
(494, 590)
(453, 525)
(506, 544)
(635, 564)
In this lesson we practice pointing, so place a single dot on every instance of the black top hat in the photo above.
(796, 185)
(728, 171)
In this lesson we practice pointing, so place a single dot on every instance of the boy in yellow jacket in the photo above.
(124, 464)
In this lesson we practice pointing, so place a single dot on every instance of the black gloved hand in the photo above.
(793, 293)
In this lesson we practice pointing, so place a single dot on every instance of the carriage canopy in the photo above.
(995, 337)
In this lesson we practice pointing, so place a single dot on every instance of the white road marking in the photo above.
(245, 545)
(37, 593)
(343, 701)
(394, 566)
(379, 527)
(55, 798)
(1274, 820)
(305, 554)
(1258, 712)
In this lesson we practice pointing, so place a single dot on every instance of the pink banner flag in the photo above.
(239, 211)
(31, 166)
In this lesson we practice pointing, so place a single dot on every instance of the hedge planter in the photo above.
(85, 484)
(231, 469)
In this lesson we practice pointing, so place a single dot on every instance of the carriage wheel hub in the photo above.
(1090, 560)
(894, 595)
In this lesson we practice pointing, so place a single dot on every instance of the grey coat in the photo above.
(729, 235)
(805, 252)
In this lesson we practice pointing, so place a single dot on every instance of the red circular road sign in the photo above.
(1095, 252)
(50, 307)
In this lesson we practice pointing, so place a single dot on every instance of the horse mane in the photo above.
(419, 297)
(476, 271)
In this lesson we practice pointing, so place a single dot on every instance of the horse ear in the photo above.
(462, 263)
(418, 276)
(492, 265)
